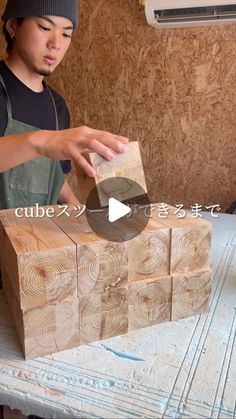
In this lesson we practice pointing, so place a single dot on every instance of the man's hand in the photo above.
(74, 142)
(59, 145)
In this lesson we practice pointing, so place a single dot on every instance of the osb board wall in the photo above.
(173, 90)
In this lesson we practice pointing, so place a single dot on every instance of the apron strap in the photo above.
(9, 108)
(8, 102)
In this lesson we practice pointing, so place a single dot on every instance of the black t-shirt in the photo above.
(32, 108)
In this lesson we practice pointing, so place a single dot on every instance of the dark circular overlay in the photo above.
(127, 192)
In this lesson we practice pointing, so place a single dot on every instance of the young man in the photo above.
(34, 124)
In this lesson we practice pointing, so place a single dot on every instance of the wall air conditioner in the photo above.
(180, 13)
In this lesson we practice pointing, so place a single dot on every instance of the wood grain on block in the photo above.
(101, 266)
(80, 232)
(51, 328)
(149, 302)
(128, 165)
(14, 307)
(40, 260)
(191, 294)
(46, 329)
(175, 218)
(149, 253)
(190, 242)
(76, 228)
(103, 315)
(190, 250)
(191, 245)
(10, 265)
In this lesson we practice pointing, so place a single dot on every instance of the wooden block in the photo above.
(14, 306)
(190, 242)
(128, 165)
(149, 253)
(40, 260)
(44, 330)
(191, 294)
(149, 302)
(105, 264)
(103, 315)
(102, 278)
(66, 286)
(51, 328)
(101, 265)
(190, 249)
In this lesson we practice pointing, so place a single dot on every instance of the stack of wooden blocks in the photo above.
(66, 286)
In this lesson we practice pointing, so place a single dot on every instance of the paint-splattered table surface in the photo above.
(184, 369)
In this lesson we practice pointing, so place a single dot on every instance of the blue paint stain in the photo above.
(123, 355)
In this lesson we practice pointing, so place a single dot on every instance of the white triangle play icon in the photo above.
(117, 210)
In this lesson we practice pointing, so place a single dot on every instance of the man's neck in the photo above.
(30, 78)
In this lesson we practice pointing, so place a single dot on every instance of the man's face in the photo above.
(41, 42)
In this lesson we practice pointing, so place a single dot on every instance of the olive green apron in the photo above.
(38, 181)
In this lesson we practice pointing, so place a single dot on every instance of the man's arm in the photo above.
(59, 145)
(67, 196)
(16, 149)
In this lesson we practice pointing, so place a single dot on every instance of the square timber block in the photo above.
(191, 294)
(39, 258)
(102, 268)
(149, 253)
(103, 315)
(43, 330)
(128, 165)
(190, 241)
(149, 302)
(66, 286)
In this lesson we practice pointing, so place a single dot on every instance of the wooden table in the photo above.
(184, 369)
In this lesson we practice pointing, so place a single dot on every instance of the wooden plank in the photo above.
(191, 294)
(149, 302)
(40, 260)
(214, 370)
(128, 165)
(103, 315)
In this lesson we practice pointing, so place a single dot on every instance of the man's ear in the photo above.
(11, 27)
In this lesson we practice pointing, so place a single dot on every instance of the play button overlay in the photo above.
(125, 210)
(117, 210)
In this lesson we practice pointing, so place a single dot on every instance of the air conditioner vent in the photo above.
(189, 14)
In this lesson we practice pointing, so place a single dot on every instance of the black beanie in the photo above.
(29, 8)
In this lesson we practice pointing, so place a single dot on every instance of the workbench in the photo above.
(184, 369)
